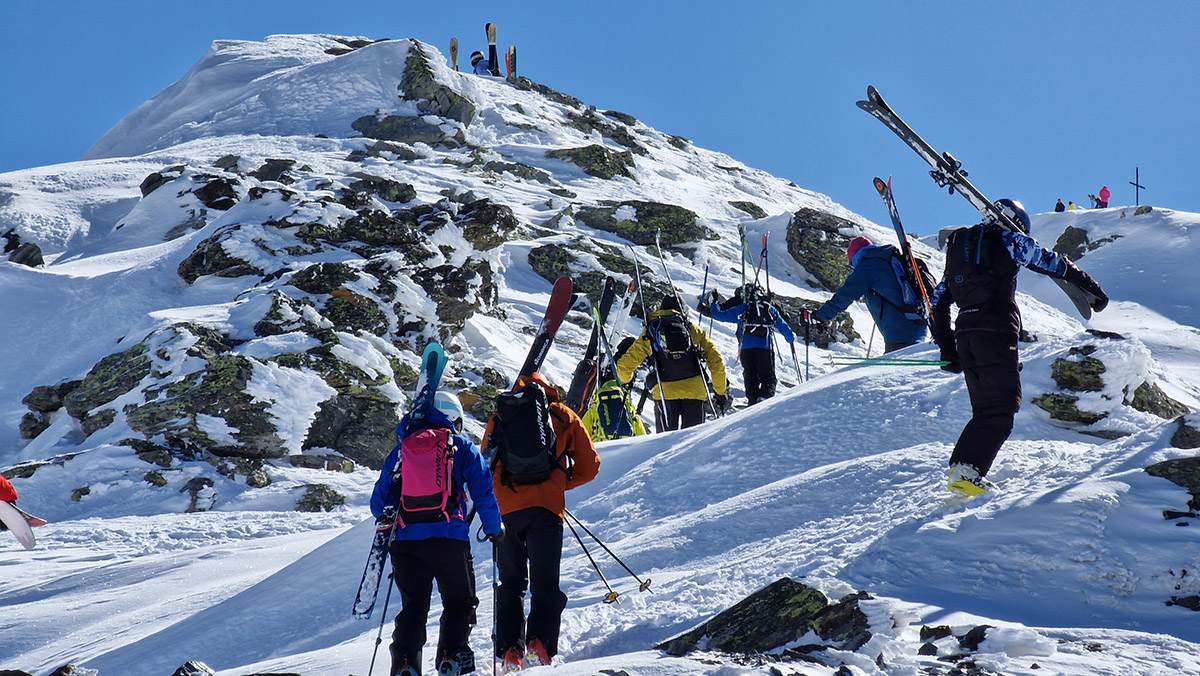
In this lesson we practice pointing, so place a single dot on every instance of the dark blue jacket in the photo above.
(734, 316)
(471, 474)
(874, 278)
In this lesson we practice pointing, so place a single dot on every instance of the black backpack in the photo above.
(675, 357)
(757, 320)
(979, 267)
(523, 437)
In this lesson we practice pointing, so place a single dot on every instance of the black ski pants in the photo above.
(528, 559)
(758, 373)
(417, 563)
(683, 413)
(992, 371)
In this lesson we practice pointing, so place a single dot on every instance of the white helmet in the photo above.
(450, 405)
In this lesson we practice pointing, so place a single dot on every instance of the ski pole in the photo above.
(495, 586)
(871, 341)
(795, 361)
(382, 620)
(807, 325)
(611, 596)
(644, 584)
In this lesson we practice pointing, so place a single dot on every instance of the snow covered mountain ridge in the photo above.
(242, 272)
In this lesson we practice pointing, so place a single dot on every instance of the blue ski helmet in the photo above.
(450, 405)
(1016, 212)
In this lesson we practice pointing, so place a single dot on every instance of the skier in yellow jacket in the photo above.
(680, 350)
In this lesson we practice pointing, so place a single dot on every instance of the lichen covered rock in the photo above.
(775, 616)
(817, 241)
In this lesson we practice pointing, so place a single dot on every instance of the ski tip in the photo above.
(879, 184)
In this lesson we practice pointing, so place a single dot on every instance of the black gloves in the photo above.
(721, 402)
(498, 536)
(1088, 285)
(704, 306)
(949, 352)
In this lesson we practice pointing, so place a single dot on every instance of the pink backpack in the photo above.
(427, 491)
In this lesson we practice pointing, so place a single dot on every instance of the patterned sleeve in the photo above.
(1025, 251)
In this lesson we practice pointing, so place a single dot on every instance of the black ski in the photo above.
(493, 59)
(947, 172)
(584, 379)
(906, 254)
(433, 362)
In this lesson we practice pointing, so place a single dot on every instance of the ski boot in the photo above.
(456, 665)
(965, 482)
(512, 661)
(536, 654)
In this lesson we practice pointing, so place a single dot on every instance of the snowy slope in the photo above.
(837, 481)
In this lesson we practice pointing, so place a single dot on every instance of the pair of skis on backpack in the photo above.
(433, 364)
(510, 56)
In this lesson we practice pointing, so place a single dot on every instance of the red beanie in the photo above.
(856, 244)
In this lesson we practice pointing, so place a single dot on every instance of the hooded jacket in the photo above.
(470, 475)
(576, 452)
(874, 278)
(690, 388)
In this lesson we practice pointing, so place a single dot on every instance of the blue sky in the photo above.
(1039, 99)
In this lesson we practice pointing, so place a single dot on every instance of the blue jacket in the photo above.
(484, 67)
(471, 474)
(734, 316)
(874, 278)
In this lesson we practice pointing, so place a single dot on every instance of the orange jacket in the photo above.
(575, 448)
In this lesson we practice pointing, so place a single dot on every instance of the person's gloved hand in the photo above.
(498, 536)
(721, 401)
(949, 353)
(704, 309)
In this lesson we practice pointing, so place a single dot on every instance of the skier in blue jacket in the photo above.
(424, 552)
(757, 320)
(873, 276)
(480, 64)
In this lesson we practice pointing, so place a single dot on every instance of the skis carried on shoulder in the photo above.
(947, 173)
(433, 363)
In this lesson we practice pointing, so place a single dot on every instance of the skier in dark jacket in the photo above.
(982, 262)
(873, 276)
(757, 322)
(441, 551)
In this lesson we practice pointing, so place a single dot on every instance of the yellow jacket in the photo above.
(691, 388)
